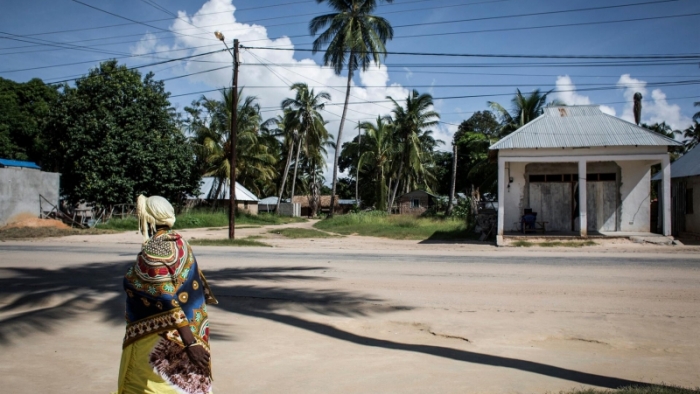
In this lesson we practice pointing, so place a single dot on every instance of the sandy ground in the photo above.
(368, 315)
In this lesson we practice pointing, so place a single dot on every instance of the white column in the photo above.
(583, 219)
(666, 198)
(501, 197)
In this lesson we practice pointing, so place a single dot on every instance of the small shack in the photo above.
(685, 194)
(324, 205)
(26, 190)
(213, 191)
(416, 202)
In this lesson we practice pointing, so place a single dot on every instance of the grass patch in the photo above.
(301, 233)
(208, 219)
(380, 224)
(653, 389)
(46, 232)
(553, 244)
(228, 242)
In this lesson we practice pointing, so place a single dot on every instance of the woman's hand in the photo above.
(199, 356)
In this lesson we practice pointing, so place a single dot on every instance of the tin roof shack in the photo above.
(580, 170)
(212, 192)
(416, 202)
(324, 205)
(25, 189)
(685, 194)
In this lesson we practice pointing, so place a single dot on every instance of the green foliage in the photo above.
(46, 232)
(114, 137)
(650, 389)
(206, 218)
(381, 224)
(553, 244)
(25, 110)
(296, 233)
(525, 109)
(228, 242)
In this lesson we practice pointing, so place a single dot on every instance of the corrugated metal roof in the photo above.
(242, 194)
(272, 200)
(578, 127)
(686, 165)
(342, 201)
(18, 163)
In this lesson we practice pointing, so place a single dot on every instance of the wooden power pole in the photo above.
(233, 138)
(359, 155)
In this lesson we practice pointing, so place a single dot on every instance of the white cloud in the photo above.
(565, 91)
(656, 110)
(147, 44)
(252, 75)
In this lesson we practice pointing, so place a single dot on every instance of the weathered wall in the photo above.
(405, 202)
(20, 189)
(635, 189)
(290, 209)
(692, 220)
(250, 208)
(514, 201)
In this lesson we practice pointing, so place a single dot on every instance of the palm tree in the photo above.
(304, 111)
(379, 150)
(525, 109)
(284, 126)
(692, 133)
(254, 165)
(353, 35)
(415, 141)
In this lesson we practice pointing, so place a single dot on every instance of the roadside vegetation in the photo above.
(301, 233)
(208, 219)
(553, 244)
(45, 232)
(380, 224)
(660, 389)
(250, 241)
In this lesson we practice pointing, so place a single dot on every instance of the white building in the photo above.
(685, 193)
(581, 171)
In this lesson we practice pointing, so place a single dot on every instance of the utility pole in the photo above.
(234, 140)
(233, 136)
(359, 155)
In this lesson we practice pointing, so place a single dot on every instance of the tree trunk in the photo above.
(284, 179)
(296, 166)
(381, 191)
(314, 194)
(216, 196)
(351, 66)
(396, 187)
(450, 204)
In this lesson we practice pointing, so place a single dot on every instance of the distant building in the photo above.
(581, 171)
(685, 193)
(246, 201)
(416, 202)
(26, 190)
(324, 205)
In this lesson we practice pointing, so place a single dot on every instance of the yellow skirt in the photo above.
(137, 374)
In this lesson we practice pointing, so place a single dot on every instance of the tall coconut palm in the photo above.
(354, 36)
(304, 110)
(525, 109)
(285, 127)
(411, 124)
(379, 150)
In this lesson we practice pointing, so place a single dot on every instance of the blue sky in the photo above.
(77, 38)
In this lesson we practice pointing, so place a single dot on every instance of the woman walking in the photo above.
(166, 346)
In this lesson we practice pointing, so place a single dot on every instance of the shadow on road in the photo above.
(35, 300)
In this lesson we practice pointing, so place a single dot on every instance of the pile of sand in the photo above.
(29, 220)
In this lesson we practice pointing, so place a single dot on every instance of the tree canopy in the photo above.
(115, 137)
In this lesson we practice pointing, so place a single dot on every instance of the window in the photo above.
(415, 203)
(688, 201)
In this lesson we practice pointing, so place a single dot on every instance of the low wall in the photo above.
(290, 209)
(20, 189)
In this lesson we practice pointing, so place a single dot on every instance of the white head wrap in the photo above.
(153, 211)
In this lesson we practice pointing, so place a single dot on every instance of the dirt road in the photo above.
(346, 315)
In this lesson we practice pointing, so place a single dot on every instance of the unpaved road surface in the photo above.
(346, 316)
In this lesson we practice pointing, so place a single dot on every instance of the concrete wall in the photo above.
(405, 202)
(248, 207)
(515, 198)
(290, 209)
(20, 189)
(635, 189)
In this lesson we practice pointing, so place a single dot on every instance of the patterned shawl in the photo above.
(166, 290)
